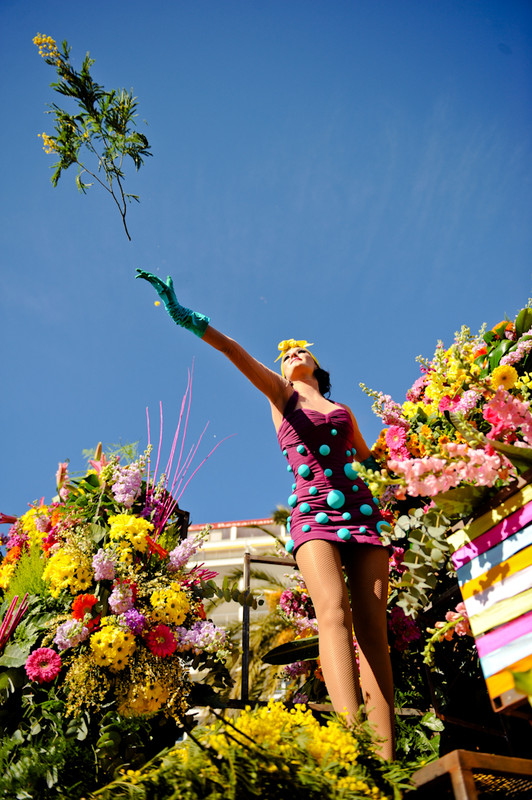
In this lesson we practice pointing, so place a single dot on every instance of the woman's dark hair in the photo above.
(324, 381)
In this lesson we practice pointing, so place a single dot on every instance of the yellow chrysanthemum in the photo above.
(143, 700)
(68, 569)
(171, 605)
(505, 376)
(6, 573)
(112, 646)
(130, 531)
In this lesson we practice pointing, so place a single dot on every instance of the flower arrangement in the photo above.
(112, 632)
(129, 609)
(463, 432)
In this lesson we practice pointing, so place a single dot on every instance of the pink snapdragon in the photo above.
(431, 475)
(389, 411)
(506, 414)
(181, 554)
(523, 348)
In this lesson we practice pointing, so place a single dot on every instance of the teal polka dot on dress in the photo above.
(324, 449)
(304, 508)
(304, 470)
(327, 472)
(301, 450)
(350, 472)
(346, 515)
(366, 510)
(313, 490)
(305, 528)
(335, 499)
(344, 534)
(322, 518)
(334, 432)
(292, 500)
(289, 546)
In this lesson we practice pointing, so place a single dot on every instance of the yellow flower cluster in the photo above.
(27, 521)
(112, 646)
(146, 699)
(130, 533)
(275, 727)
(6, 573)
(68, 569)
(171, 605)
(48, 144)
(47, 46)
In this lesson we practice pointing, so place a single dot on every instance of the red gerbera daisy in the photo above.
(82, 605)
(161, 640)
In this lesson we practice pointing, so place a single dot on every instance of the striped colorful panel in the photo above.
(510, 566)
(491, 518)
(502, 590)
(501, 636)
(503, 681)
(502, 612)
(467, 546)
(507, 655)
(506, 549)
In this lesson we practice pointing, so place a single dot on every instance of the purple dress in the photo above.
(328, 501)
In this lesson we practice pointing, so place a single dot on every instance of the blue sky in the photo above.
(354, 172)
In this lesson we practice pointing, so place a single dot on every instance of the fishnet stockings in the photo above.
(367, 573)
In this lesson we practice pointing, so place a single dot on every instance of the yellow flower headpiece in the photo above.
(288, 344)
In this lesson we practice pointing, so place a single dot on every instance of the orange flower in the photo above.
(13, 554)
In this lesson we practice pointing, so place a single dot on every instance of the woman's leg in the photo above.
(321, 567)
(367, 571)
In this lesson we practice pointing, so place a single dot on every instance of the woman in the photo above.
(334, 520)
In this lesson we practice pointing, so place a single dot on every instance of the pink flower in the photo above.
(161, 641)
(43, 665)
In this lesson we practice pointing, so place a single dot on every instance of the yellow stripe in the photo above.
(501, 612)
(516, 563)
(490, 519)
(503, 681)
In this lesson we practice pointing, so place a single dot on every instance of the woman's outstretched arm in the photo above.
(274, 386)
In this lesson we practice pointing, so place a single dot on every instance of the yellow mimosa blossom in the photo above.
(47, 46)
(48, 143)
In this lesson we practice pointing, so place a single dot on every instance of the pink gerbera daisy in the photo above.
(43, 665)
(161, 640)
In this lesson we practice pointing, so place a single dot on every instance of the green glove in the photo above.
(190, 320)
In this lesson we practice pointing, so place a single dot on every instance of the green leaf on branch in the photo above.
(297, 650)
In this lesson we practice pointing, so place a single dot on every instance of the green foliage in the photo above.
(27, 577)
(296, 650)
(99, 135)
(426, 556)
(227, 592)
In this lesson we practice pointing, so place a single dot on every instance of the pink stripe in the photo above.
(504, 635)
(497, 534)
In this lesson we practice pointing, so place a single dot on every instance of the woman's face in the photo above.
(297, 363)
